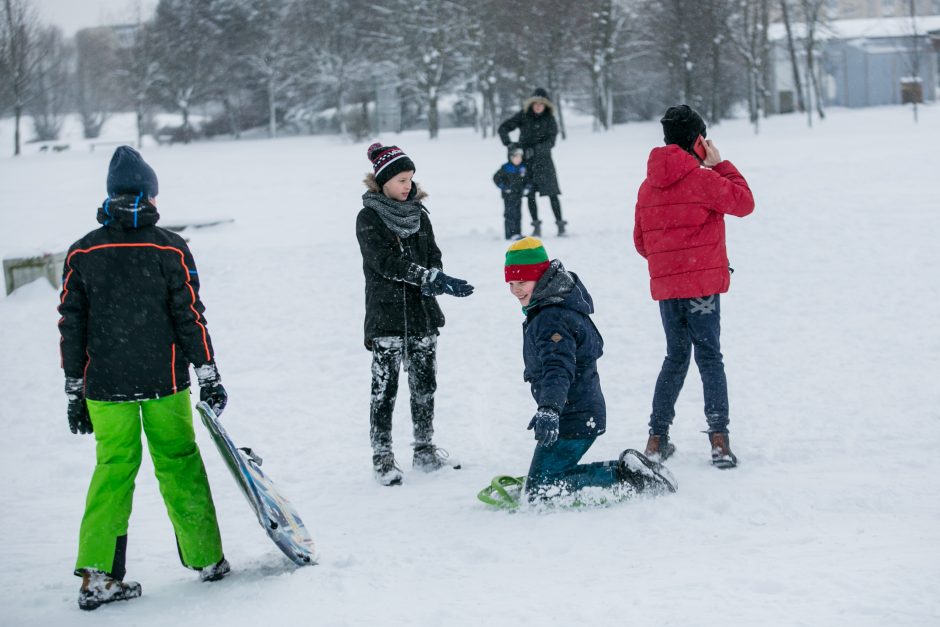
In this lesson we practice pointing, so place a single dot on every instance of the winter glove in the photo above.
(436, 283)
(211, 391)
(79, 422)
(545, 423)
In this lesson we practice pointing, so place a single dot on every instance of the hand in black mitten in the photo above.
(545, 423)
(79, 421)
(211, 391)
(436, 283)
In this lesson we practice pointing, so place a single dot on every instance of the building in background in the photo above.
(862, 62)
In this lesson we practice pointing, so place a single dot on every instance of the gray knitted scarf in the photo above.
(402, 217)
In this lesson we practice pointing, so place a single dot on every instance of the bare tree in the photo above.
(791, 49)
(915, 61)
(748, 28)
(50, 83)
(95, 69)
(812, 18)
(138, 71)
(186, 56)
(20, 26)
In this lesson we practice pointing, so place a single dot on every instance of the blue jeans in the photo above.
(557, 465)
(691, 322)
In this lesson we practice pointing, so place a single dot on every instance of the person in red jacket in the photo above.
(680, 231)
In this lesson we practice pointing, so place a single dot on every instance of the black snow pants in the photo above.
(419, 356)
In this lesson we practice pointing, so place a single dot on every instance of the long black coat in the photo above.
(393, 269)
(560, 348)
(537, 135)
(131, 316)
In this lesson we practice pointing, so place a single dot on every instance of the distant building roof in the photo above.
(871, 28)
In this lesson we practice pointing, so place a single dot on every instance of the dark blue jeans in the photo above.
(557, 465)
(691, 322)
(512, 216)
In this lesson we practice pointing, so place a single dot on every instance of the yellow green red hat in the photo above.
(526, 260)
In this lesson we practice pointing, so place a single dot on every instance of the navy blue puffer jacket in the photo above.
(561, 347)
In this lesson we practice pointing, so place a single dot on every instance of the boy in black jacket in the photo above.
(403, 273)
(512, 179)
(131, 324)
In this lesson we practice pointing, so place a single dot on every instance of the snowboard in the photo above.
(277, 516)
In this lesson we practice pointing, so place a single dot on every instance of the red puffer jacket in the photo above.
(680, 222)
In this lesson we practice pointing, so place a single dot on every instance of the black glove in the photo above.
(436, 283)
(545, 423)
(79, 422)
(211, 391)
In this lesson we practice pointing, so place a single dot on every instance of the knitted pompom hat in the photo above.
(387, 161)
(526, 260)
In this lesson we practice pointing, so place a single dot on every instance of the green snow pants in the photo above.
(168, 423)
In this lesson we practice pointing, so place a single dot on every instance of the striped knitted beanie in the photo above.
(387, 161)
(526, 260)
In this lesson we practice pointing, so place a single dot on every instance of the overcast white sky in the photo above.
(72, 15)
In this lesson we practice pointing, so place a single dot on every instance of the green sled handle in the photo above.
(497, 495)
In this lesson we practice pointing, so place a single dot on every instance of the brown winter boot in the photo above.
(659, 448)
(722, 457)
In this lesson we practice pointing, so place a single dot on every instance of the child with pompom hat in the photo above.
(560, 348)
(403, 276)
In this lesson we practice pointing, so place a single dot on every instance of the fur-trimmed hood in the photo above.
(549, 105)
(373, 186)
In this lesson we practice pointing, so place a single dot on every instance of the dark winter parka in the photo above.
(512, 179)
(537, 135)
(132, 321)
(560, 348)
(394, 268)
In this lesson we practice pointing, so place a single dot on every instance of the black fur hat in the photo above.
(681, 125)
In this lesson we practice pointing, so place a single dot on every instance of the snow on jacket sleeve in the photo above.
(556, 347)
(385, 256)
(185, 307)
(729, 192)
(73, 325)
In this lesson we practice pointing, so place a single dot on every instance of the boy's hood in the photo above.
(127, 212)
(560, 287)
(669, 164)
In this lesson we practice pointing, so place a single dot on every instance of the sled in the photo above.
(504, 492)
(276, 515)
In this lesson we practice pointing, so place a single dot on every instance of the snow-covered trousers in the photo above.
(688, 323)
(419, 356)
(555, 469)
(168, 423)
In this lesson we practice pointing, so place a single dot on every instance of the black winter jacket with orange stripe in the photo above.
(132, 321)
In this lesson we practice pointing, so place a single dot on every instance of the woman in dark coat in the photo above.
(537, 132)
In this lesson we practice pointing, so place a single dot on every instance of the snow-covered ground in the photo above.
(832, 348)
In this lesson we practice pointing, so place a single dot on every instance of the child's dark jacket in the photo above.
(561, 347)
(394, 268)
(511, 179)
(131, 316)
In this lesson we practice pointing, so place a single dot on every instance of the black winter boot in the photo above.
(644, 474)
(536, 228)
(99, 588)
(429, 458)
(561, 226)
(215, 571)
(386, 470)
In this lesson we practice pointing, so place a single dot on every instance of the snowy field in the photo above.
(831, 341)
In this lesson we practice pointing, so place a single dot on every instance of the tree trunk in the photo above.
(186, 129)
(139, 111)
(341, 110)
(791, 47)
(272, 106)
(17, 115)
(433, 121)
